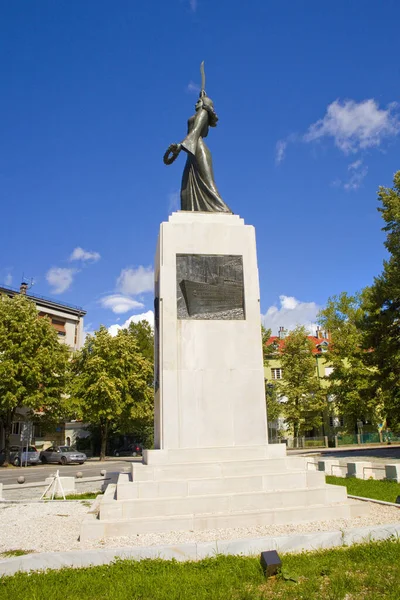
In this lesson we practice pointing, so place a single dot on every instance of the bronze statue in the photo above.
(198, 190)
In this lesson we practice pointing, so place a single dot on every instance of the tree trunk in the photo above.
(296, 430)
(296, 425)
(103, 435)
(7, 422)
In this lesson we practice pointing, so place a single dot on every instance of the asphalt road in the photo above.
(92, 467)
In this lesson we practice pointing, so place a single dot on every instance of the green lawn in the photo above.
(83, 496)
(368, 488)
(364, 572)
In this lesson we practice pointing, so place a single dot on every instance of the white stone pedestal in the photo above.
(211, 375)
(212, 466)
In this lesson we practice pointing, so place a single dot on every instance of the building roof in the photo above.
(316, 342)
(46, 302)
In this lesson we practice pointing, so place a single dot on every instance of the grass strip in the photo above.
(83, 496)
(16, 552)
(368, 488)
(369, 571)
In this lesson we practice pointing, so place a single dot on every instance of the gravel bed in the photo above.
(55, 526)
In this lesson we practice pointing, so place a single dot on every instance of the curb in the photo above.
(384, 502)
(198, 550)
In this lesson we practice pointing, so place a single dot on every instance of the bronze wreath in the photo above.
(173, 149)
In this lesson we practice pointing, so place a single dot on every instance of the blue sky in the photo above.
(93, 93)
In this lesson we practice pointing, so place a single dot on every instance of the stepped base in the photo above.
(217, 488)
(93, 528)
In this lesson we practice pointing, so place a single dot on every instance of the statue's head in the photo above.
(205, 102)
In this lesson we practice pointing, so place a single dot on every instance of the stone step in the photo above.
(201, 455)
(221, 503)
(289, 480)
(211, 470)
(95, 528)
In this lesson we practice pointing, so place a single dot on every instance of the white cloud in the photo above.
(280, 151)
(291, 312)
(355, 165)
(358, 171)
(147, 316)
(8, 279)
(119, 303)
(136, 281)
(173, 202)
(355, 125)
(84, 255)
(60, 279)
(193, 88)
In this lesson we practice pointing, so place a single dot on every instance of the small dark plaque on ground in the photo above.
(210, 286)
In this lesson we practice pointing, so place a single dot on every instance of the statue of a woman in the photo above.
(198, 191)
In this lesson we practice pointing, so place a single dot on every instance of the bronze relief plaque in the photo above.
(210, 286)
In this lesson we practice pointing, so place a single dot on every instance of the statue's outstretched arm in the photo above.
(189, 144)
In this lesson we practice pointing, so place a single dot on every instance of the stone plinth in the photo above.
(209, 370)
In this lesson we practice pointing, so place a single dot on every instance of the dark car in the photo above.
(63, 455)
(20, 456)
(131, 450)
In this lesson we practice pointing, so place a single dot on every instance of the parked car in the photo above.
(63, 455)
(131, 450)
(18, 456)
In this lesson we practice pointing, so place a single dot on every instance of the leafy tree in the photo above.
(142, 423)
(144, 336)
(269, 350)
(33, 363)
(113, 381)
(352, 381)
(304, 398)
(274, 408)
(382, 307)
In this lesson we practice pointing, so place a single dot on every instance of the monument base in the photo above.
(217, 488)
(213, 467)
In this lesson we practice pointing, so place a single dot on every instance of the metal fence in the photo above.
(309, 442)
(347, 439)
(370, 438)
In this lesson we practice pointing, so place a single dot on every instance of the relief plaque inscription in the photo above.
(210, 286)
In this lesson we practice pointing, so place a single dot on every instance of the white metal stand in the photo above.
(53, 485)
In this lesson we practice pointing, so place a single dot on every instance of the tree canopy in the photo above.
(33, 363)
(352, 381)
(381, 303)
(113, 380)
(299, 385)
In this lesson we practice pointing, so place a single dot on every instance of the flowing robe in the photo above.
(198, 191)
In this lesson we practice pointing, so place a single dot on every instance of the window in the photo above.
(276, 373)
(59, 325)
(57, 321)
(335, 421)
(16, 428)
